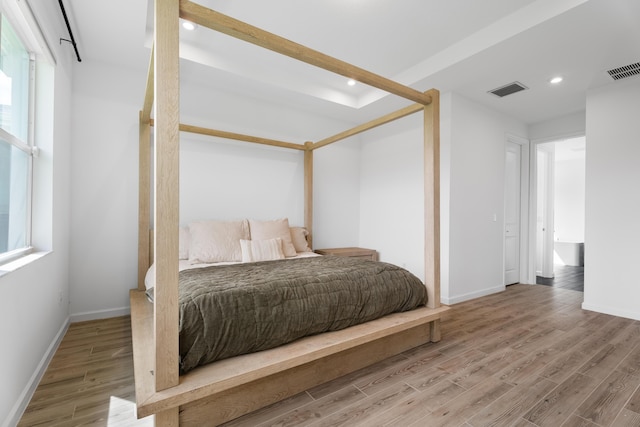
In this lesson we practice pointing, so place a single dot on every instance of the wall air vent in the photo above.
(509, 89)
(624, 72)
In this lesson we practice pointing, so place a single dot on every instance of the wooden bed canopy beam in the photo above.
(370, 125)
(308, 146)
(227, 25)
(237, 136)
(240, 137)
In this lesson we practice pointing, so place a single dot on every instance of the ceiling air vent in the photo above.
(508, 89)
(624, 72)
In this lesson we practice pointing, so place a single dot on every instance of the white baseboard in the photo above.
(635, 315)
(100, 314)
(23, 400)
(471, 295)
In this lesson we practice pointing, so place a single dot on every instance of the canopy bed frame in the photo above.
(227, 389)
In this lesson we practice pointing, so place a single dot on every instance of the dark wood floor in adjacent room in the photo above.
(528, 356)
(565, 277)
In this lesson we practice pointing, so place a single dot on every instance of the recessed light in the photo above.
(351, 82)
(555, 80)
(188, 25)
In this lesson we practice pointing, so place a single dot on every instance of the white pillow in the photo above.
(264, 230)
(261, 250)
(216, 241)
(184, 239)
(299, 239)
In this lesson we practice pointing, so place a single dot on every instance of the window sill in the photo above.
(23, 261)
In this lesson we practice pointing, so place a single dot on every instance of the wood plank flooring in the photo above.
(89, 380)
(525, 357)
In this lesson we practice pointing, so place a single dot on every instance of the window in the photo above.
(16, 94)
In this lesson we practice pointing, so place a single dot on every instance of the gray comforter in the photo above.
(235, 309)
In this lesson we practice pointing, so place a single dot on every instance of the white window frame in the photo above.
(29, 147)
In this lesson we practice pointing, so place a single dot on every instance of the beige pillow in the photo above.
(217, 241)
(299, 239)
(261, 250)
(264, 230)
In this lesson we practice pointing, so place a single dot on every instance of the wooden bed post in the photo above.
(144, 200)
(432, 197)
(166, 209)
(308, 190)
(432, 205)
(144, 177)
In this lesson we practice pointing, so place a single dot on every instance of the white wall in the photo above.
(34, 298)
(392, 193)
(569, 190)
(473, 141)
(230, 180)
(570, 125)
(336, 194)
(104, 189)
(476, 194)
(215, 174)
(245, 180)
(613, 200)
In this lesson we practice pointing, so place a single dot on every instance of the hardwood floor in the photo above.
(528, 356)
(89, 380)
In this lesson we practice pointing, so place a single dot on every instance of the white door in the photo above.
(512, 214)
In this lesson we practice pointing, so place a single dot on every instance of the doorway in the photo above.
(560, 189)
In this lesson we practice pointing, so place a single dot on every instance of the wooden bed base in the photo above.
(229, 388)
(224, 390)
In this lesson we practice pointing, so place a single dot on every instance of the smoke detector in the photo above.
(509, 89)
(624, 72)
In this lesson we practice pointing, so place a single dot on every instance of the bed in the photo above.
(227, 388)
(261, 299)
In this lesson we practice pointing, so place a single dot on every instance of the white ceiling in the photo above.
(466, 46)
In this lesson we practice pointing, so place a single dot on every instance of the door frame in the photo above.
(533, 191)
(548, 201)
(525, 165)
